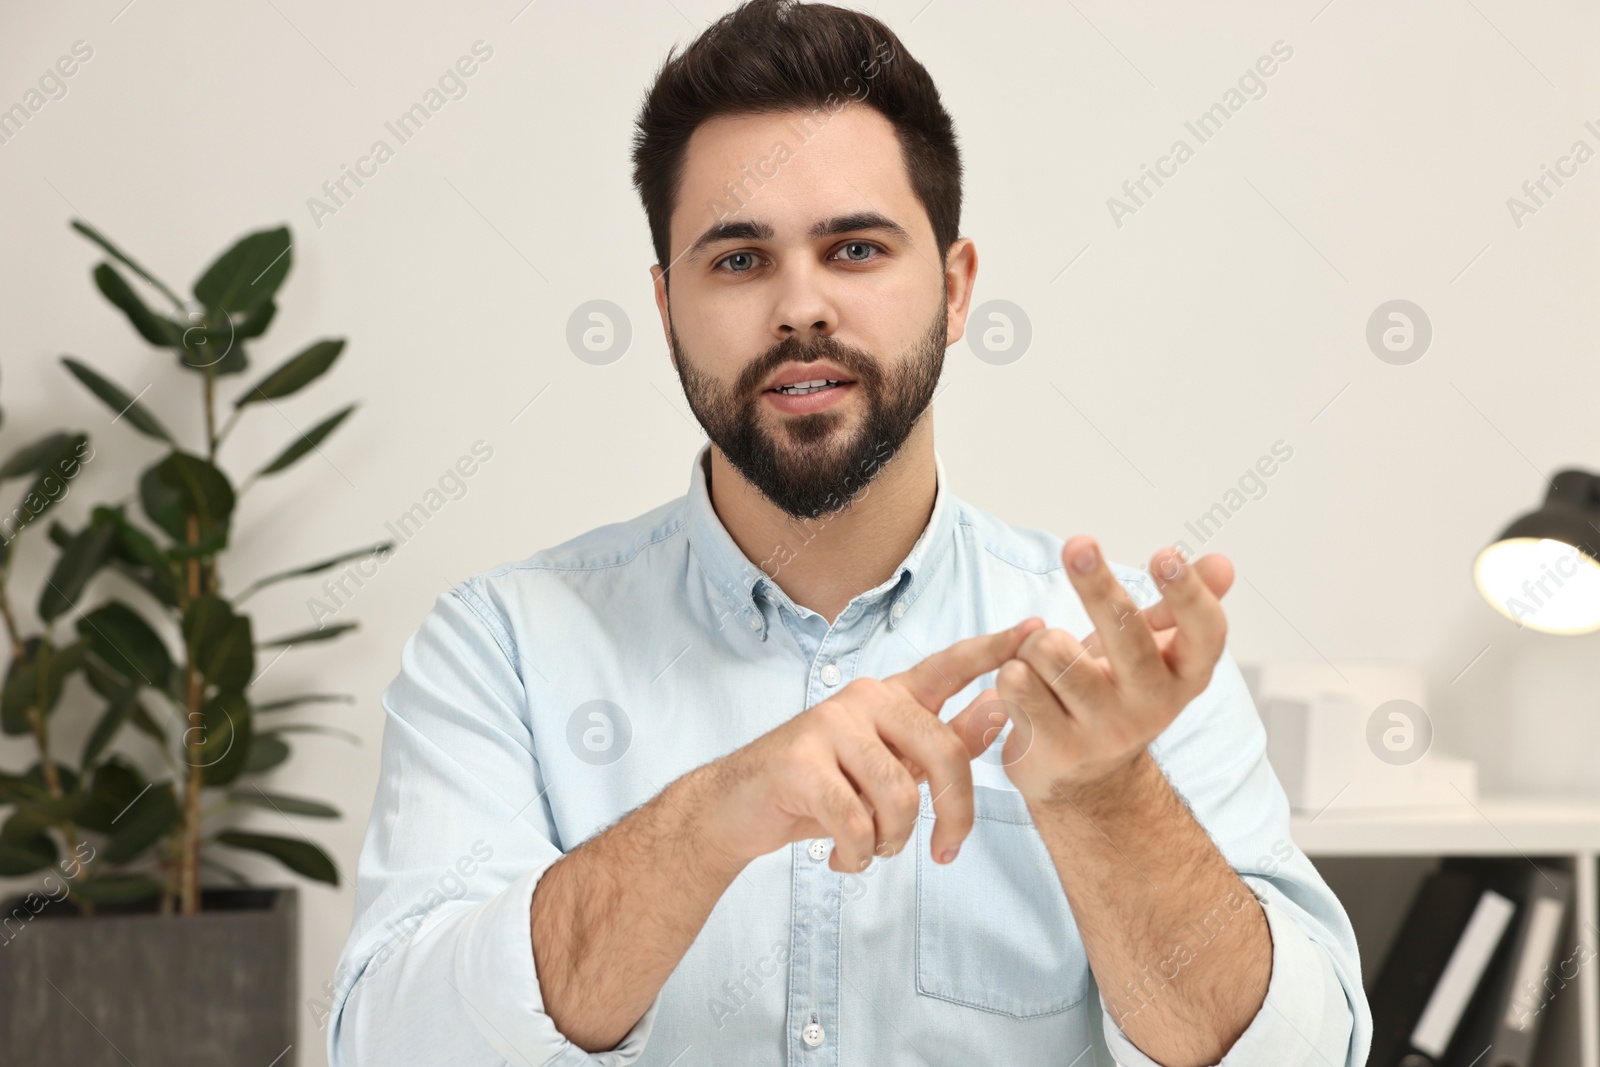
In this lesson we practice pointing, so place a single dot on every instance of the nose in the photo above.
(802, 307)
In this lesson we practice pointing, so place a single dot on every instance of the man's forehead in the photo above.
(792, 176)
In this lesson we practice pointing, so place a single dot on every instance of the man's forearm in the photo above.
(1178, 943)
(612, 918)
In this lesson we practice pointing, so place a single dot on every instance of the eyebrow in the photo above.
(756, 230)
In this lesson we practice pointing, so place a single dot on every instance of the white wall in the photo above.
(1224, 315)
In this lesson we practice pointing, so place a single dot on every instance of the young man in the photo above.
(810, 766)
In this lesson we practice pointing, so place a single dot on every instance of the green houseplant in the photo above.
(37, 667)
(172, 654)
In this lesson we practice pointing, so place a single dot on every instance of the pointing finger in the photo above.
(947, 672)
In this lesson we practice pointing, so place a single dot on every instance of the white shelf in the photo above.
(1492, 826)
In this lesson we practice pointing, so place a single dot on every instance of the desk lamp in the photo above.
(1543, 572)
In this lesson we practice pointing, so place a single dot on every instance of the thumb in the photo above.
(980, 722)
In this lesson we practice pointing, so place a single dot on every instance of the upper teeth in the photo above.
(807, 387)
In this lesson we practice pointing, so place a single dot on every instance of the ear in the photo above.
(658, 278)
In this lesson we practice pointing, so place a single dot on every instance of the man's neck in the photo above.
(824, 562)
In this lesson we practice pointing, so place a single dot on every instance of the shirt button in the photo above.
(755, 623)
(813, 1034)
(818, 850)
(830, 675)
(899, 609)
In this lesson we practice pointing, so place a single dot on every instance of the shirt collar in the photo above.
(737, 581)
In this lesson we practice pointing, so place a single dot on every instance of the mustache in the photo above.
(859, 363)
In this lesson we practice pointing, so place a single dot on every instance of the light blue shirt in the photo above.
(542, 701)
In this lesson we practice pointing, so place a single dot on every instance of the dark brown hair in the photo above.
(770, 56)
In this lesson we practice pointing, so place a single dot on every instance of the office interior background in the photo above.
(1174, 331)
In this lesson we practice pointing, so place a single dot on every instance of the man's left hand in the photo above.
(1083, 712)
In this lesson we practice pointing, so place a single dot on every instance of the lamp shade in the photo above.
(1543, 572)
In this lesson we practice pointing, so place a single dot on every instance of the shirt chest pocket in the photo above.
(994, 930)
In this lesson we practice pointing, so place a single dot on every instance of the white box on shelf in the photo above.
(1356, 736)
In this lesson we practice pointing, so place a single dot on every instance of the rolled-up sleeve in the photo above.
(1315, 1011)
(439, 964)
(1305, 1019)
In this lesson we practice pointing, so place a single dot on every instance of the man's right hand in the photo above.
(848, 768)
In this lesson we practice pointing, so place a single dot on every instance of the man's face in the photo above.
(822, 266)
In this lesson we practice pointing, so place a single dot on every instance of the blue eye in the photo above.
(736, 255)
(860, 244)
(723, 263)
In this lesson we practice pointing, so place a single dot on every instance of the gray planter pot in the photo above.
(215, 988)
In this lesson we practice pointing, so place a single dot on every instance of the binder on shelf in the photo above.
(1469, 961)
(1453, 932)
(1504, 1021)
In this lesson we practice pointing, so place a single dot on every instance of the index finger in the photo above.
(1130, 648)
(947, 672)
(1214, 568)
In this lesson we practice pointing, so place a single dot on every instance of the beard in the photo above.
(805, 467)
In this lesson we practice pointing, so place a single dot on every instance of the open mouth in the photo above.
(805, 388)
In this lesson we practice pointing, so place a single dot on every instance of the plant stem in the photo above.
(5, 605)
(211, 413)
(189, 855)
(52, 781)
(190, 860)
(36, 719)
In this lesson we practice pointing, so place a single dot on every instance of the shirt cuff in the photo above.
(1305, 1018)
(496, 979)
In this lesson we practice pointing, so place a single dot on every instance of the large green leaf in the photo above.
(266, 752)
(78, 562)
(50, 487)
(306, 637)
(30, 458)
(288, 805)
(134, 545)
(127, 644)
(223, 747)
(136, 555)
(25, 857)
(15, 787)
(150, 818)
(254, 323)
(55, 664)
(119, 400)
(220, 643)
(34, 680)
(182, 485)
(116, 785)
(122, 257)
(214, 345)
(102, 679)
(152, 327)
(248, 274)
(306, 698)
(295, 373)
(65, 775)
(110, 684)
(21, 689)
(33, 817)
(319, 566)
(306, 442)
(117, 712)
(299, 856)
